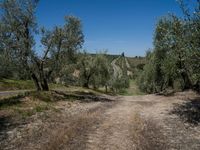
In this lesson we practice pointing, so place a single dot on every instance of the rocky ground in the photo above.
(115, 122)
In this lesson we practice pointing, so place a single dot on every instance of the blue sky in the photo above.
(114, 25)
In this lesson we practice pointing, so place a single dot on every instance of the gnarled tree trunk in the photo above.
(36, 82)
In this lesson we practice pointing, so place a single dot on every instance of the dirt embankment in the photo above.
(125, 123)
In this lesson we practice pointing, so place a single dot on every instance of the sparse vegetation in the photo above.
(8, 84)
(132, 90)
(54, 95)
(146, 134)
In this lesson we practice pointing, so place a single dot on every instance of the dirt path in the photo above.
(122, 126)
(144, 122)
(127, 123)
(113, 132)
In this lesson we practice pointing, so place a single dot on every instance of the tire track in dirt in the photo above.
(124, 128)
(126, 123)
(114, 132)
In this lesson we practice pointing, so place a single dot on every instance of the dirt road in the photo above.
(144, 122)
(126, 123)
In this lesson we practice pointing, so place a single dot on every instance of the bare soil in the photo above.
(147, 122)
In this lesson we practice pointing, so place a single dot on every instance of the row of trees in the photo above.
(175, 60)
(96, 71)
(59, 54)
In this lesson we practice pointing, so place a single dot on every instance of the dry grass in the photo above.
(147, 135)
(106, 123)
(73, 135)
(28, 103)
(60, 130)
(70, 136)
(24, 107)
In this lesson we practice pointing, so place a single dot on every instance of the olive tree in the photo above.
(176, 53)
(59, 45)
(94, 70)
(18, 25)
(17, 32)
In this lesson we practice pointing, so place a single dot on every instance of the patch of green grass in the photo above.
(132, 90)
(27, 104)
(7, 84)
(24, 113)
(27, 109)
(56, 86)
(41, 108)
(42, 95)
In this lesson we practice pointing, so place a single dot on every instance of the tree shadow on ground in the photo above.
(11, 101)
(6, 124)
(83, 97)
(6, 121)
(189, 112)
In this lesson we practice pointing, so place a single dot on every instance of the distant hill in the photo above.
(134, 61)
(132, 64)
(109, 56)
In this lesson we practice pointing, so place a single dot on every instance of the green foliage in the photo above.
(146, 79)
(136, 65)
(119, 72)
(10, 84)
(17, 26)
(132, 90)
(61, 44)
(175, 58)
(102, 71)
(7, 67)
(86, 68)
(97, 71)
(94, 70)
(17, 44)
(119, 84)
